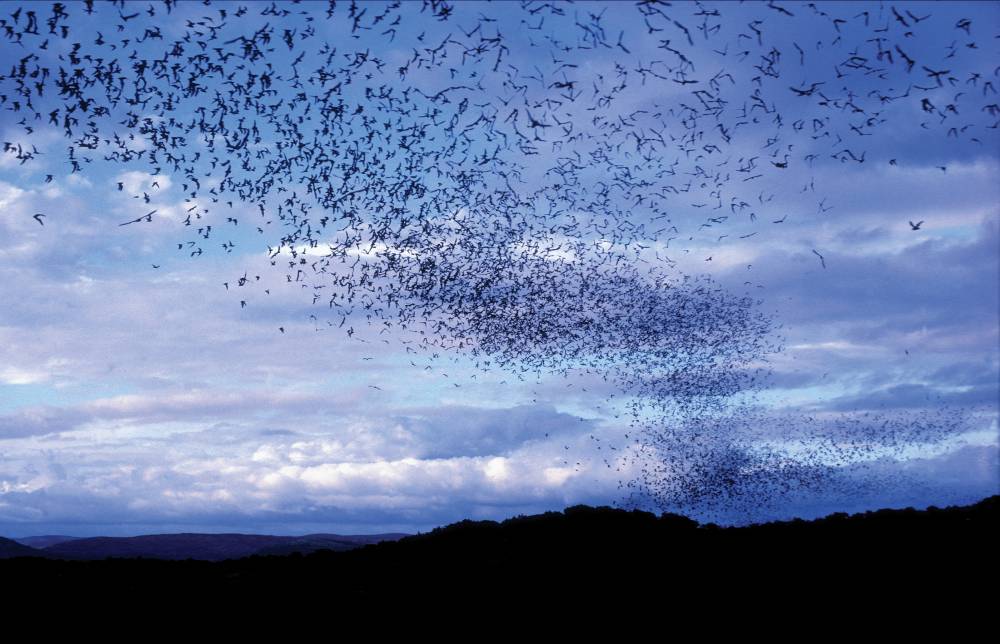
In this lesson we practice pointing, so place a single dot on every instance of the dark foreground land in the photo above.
(585, 552)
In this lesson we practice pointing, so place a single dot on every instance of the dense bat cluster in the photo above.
(517, 196)
(748, 461)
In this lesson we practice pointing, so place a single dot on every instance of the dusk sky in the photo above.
(138, 395)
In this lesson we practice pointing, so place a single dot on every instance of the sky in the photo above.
(137, 394)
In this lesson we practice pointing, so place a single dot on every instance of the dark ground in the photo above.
(584, 553)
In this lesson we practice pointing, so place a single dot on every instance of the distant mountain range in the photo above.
(44, 541)
(205, 547)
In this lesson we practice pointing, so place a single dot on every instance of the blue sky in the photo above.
(138, 399)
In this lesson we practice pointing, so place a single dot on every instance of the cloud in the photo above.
(916, 396)
(176, 407)
(135, 182)
(299, 479)
(39, 421)
(454, 430)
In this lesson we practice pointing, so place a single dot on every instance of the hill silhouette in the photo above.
(10, 548)
(577, 551)
(207, 547)
(44, 540)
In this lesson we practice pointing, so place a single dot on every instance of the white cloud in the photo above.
(9, 195)
(135, 182)
(15, 376)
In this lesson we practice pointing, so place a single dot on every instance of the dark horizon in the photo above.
(991, 500)
(578, 550)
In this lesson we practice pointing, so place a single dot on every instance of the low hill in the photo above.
(206, 547)
(581, 552)
(44, 541)
(10, 548)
